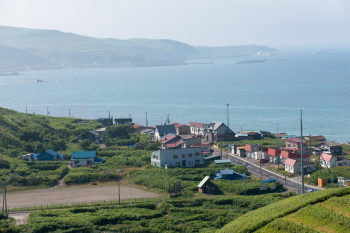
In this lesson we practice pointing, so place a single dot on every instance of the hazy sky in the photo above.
(275, 23)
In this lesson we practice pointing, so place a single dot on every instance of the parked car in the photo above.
(263, 160)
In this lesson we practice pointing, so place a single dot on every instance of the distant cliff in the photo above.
(22, 48)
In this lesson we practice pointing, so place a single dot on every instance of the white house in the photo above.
(294, 166)
(181, 157)
(198, 128)
(84, 158)
(329, 160)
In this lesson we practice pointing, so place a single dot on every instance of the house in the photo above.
(29, 157)
(229, 174)
(329, 160)
(188, 142)
(182, 129)
(238, 150)
(218, 131)
(294, 143)
(273, 155)
(205, 186)
(122, 121)
(294, 166)
(105, 121)
(254, 136)
(101, 131)
(206, 149)
(241, 136)
(318, 138)
(332, 147)
(251, 149)
(91, 135)
(285, 154)
(182, 157)
(162, 130)
(198, 128)
(85, 158)
(171, 141)
(260, 154)
(343, 181)
(48, 155)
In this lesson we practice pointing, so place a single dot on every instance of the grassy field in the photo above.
(322, 211)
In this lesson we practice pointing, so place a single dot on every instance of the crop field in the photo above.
(323, 211)
(176, 215)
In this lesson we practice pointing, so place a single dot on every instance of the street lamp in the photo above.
(129, 189)
(4, 200)
(119, 185)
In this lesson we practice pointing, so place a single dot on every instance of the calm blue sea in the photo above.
(261, 95)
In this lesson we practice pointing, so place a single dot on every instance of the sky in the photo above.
(274, 23)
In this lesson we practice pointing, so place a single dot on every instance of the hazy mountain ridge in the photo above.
(45, 49)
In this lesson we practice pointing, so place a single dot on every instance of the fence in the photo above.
(84, 203)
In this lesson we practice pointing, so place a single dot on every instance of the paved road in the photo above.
(20, 217)
(266, 174)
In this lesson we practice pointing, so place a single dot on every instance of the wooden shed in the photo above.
(205, 186)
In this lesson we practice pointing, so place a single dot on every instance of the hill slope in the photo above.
(322, 211)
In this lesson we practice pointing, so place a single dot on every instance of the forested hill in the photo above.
(21, 133)
(46, 49)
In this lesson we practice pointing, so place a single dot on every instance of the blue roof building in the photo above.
(85, 158)
(229, 174)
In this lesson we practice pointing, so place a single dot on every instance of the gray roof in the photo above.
(166, 129)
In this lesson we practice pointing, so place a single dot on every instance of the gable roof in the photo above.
(165, 129)
(174, 144)
(317, 138)
(297, 140)
(177, 125)
(83, 154)
(290, 162)
(227, 171)
(51, 152)
(330, 143)
(272, 152)
(197, 125)
(287, 154)
(326, 157)
(203, 181)
(169, 137)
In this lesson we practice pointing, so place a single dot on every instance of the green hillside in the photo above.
(21, 133)
(322, 211)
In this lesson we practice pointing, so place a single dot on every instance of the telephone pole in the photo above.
(301, 151)
(146, 119)
(228, 122)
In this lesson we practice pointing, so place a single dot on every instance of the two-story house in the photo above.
(85, 158)
(182, 157)
(329, 160)
(198, 128)
(218, 131)
(332, 147)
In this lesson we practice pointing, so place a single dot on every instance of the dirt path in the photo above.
(81, 193)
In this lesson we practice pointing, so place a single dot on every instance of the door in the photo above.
(184, 163)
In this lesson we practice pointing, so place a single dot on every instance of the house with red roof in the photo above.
(294, 143)
(286, 154)
(256, 151)
(329, 160)
(294, 166)
(198, 128)
(273, 155)
(182, 129)
(206, 149)
(171, 141)
(250, 150)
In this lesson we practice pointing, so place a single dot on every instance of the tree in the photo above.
(85, 144)
(119, 131)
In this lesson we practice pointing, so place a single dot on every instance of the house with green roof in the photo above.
(85, 159)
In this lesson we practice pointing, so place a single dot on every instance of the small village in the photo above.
(191, 145)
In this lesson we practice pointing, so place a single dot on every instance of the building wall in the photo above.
(84, 162)
(175, 157)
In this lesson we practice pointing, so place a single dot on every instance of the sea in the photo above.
(268, 96)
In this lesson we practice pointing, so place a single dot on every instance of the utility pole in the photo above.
(228, 122)
(146, 119)
(285, 180)
(47, 112)
(109, 114)
(118, 185)
(221, 144)
(301, 151)
(167, 121)
(4, 200)
(278, 154)
(298, 182)
(245, 181)
(69, 113)
(129, 189)
(26, 110)
(260, 171)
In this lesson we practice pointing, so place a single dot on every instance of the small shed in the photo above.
(205, 186)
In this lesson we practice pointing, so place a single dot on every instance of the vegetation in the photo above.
(181, 215)
(258, 219)
(327, 174)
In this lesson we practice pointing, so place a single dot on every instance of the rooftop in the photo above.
(83, 154)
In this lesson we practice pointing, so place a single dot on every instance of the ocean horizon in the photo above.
(260, 95)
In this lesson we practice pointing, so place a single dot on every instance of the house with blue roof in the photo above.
(85, 158)
(48, 155)
(229, 174)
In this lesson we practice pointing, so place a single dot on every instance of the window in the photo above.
(197, 161)
(174, 156)
(184, 156)
(197, 153)
(190, 162)
(289, 145)
(189, 155)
